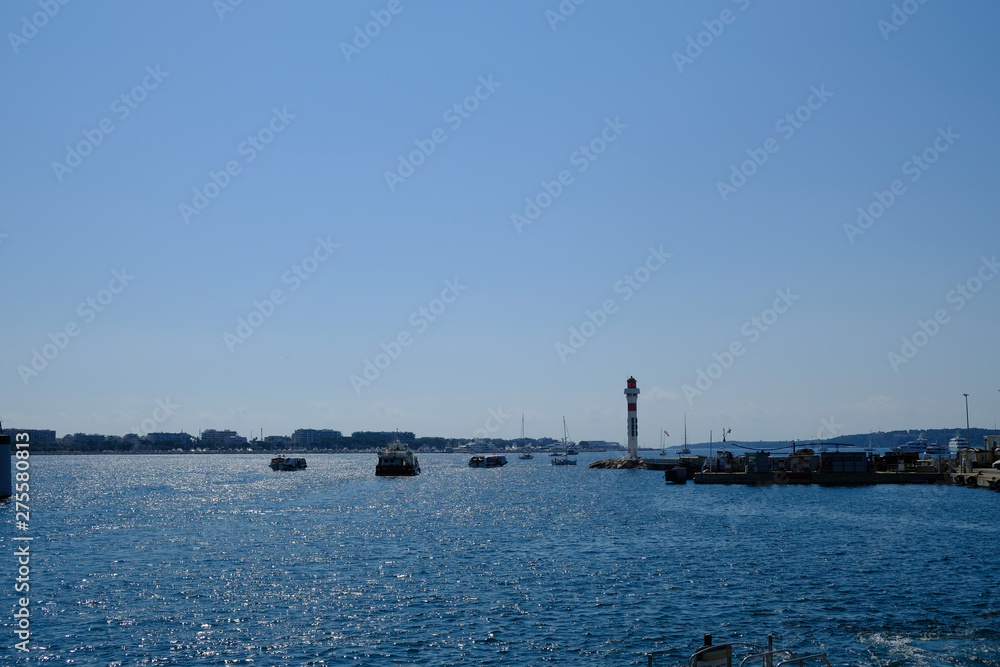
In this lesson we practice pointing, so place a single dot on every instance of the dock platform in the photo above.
(980, 478)
(820, 478)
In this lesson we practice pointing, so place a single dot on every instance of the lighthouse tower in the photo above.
(631, 393)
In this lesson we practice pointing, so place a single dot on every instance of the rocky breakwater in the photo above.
(624, 463)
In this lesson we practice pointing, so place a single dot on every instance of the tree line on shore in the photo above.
(229, 441)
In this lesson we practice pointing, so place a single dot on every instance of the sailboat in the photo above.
(684, 451)
(559, 459)
(524, 454)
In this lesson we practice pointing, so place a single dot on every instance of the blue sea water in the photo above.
(217, 560)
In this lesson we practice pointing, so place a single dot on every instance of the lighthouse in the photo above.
(631, 394)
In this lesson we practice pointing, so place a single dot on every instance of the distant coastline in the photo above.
(326, 441)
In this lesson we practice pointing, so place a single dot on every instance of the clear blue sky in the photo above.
(310, 119)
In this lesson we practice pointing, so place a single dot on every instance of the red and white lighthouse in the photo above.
(631, 394)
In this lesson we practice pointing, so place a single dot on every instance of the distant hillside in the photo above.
(880, 441)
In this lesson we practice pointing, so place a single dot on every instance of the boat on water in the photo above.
(524, 453)
(285, 463)
(559, 459)
(475, 446)
(685, 450)
(917, 446)
(745, 653)
(957, 443)
(397, 460)
(487, 461)
(569, 449)
(935, 450)
(568, 445)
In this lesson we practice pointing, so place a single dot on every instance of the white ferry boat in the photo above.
(397, 460)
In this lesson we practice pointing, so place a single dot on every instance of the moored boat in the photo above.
(562, 460)
(488, 461)
(957, 443)
(525, 454)
(285, 463)
(397, 460)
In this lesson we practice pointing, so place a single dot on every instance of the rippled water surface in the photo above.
(217, 560)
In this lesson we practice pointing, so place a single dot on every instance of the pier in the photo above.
(821, 478)
(979, 478)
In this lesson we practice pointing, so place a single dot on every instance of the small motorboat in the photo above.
(285, 463)
(488, 461)
(562, 460)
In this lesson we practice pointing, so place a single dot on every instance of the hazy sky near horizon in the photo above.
(780, 217)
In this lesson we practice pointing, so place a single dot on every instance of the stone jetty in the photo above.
(624, 463)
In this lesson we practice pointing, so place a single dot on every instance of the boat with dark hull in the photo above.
(488, 461)
(285, 463)
(397, 460)
(563, 460)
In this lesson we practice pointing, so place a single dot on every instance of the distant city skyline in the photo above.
(781, 218)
